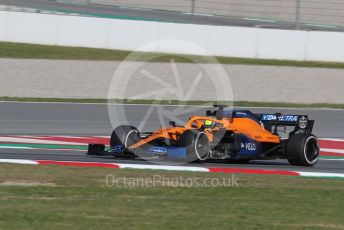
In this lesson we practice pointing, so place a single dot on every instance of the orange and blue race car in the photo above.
(233, 135)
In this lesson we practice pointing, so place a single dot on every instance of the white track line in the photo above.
(14, 147)
(321, 174)
(332, 139)
(35, 141)
(15, 161)
(340, 151)
(164, 167)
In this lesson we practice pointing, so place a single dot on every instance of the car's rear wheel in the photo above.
(197, 145)
(124, 135)
(303, 149)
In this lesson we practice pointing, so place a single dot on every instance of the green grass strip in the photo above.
(176, 102)
(332, 157)
(48, 197)
(30, 51)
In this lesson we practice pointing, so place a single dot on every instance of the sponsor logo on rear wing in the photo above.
(280, 118)
(299, 121)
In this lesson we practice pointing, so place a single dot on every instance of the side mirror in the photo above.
(172, 123)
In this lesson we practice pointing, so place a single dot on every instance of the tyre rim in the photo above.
(202, 147)
(311, 150)
(129, 141)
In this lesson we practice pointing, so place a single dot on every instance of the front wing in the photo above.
(160, 152)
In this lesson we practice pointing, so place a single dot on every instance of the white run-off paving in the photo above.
(91, 79)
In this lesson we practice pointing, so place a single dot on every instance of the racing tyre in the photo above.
(303, 149)
(197, 145)
(124, 135)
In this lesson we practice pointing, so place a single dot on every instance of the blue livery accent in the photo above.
(177, 152)
(117, 149)
(157, 151)
(227, 113)
(245, 114)
(241, 114)
(169, 152)
(249, 146)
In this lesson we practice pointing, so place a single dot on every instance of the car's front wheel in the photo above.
(125, 136)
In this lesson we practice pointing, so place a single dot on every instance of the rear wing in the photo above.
(269, 121)
(300, 122)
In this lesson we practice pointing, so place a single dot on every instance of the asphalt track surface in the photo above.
(93, 119)
(158, 15)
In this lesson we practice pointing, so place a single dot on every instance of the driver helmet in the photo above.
(208, 123)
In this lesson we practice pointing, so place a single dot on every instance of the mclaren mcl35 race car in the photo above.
(233, 135)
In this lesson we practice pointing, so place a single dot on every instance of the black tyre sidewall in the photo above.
(189, 140)
(121, 135)
(296, 149)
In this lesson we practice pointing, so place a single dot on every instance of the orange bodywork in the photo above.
(244, 126)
